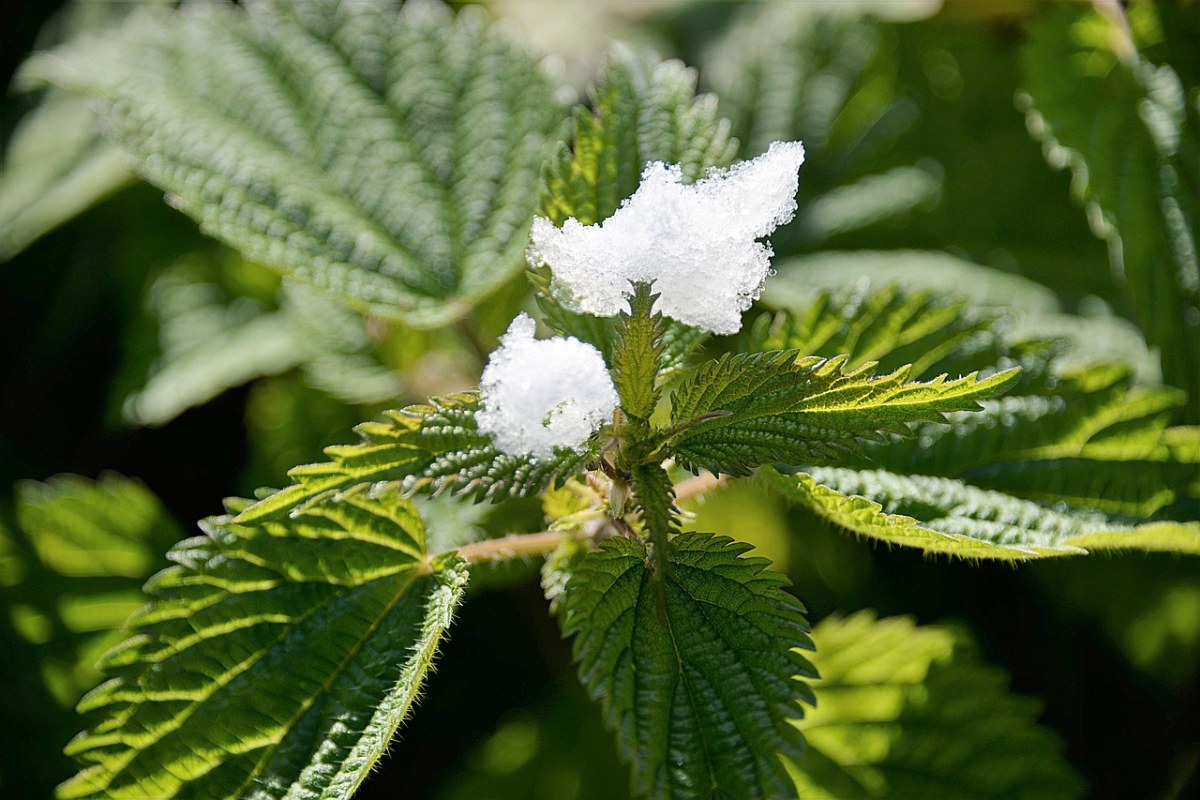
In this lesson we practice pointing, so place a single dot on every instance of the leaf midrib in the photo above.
(401, 590)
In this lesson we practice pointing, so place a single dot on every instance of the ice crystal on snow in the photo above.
(543, 394)
(698, 243)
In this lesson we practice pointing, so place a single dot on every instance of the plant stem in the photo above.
(699, 485)
(514, 545)
(520, 545)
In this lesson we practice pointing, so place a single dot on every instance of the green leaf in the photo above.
(1125, 128)
(645, 110)
(343, 359)
(701, 699)
(637, 356)
(56, 165)
(941, 515)
(907, 712)
(78, 556)
(803, 278)
(436, 446)
(1019, 313)
(275, 660)
(388, 157)
(1084, 436)
(893, 327)
(793, 71)
(1092, 440)
(207, 342)
(739, 411)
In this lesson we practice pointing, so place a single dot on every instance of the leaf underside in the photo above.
(388, 157)
(904, 712)
(275, 660)
(1093, 442)
(1088, 437)
(942, 515)
(700, 682)
(436, 446)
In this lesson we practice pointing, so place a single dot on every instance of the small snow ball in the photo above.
(539, 395)
(697, 243)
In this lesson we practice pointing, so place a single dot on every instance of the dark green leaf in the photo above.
(740, 411)
(1126, 129)
(701, 699)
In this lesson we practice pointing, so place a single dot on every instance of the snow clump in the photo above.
(542, 394)
(697, 243)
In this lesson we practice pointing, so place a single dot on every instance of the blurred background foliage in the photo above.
(942, 157)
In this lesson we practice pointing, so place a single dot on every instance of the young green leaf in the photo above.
(1127, 132)
(276, 660)
(645, 110)
(940, 515)
(739, 411)
(701, 696)
(389, 157)
(907, 711)
(637, 356)
(436, 446)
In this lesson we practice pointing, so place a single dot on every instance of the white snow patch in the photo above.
(543, 394)
(696, 243)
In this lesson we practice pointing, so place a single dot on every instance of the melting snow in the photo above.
(543, 394)
(697, 243)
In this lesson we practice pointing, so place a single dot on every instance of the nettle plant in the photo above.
(393, 160)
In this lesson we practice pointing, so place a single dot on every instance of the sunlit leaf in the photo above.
(275, 660)
(941, 515)
(906, 711)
